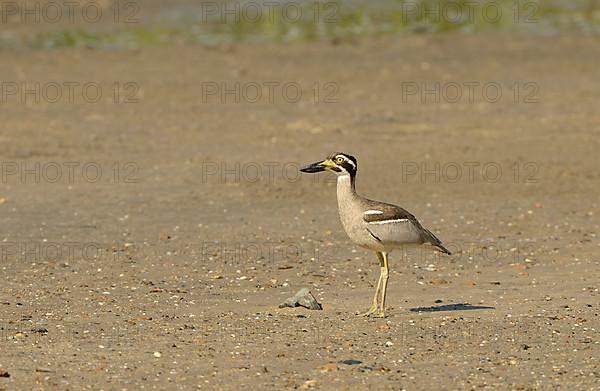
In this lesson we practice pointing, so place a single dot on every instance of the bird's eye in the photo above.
(339, 160)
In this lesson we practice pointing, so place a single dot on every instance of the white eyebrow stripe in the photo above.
(347, 160)
(373, 212)
(387, 221)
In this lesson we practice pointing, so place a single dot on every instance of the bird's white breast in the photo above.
(351, 213)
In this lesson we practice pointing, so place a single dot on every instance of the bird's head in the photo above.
(338, 163)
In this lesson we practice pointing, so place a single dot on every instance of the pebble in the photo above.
(302, 298)
(351, 362)
(157, 354)
(330, 367)
(308, 384)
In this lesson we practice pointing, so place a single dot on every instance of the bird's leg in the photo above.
(384, 279)
(374, 306)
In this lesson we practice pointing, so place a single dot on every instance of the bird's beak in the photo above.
(316, 167)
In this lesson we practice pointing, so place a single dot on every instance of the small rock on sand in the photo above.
(302, 299)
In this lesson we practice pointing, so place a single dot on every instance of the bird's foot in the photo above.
(379, 314)
(370, 311)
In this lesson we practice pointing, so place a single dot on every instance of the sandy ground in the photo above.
(165, 271)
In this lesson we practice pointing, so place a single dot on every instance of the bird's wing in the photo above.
(393, 224)
(380, 212)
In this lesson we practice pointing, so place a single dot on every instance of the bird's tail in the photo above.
(431, 238)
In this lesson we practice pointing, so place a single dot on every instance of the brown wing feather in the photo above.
(394, 212)
(389, 212)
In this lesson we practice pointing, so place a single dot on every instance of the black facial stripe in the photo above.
(348, 162)
(348, 166)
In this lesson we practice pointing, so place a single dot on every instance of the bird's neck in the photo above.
(345, 186)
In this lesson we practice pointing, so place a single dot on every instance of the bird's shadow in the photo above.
(452, 307)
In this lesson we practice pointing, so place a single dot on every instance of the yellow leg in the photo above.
(384, 277)
(374, 306)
